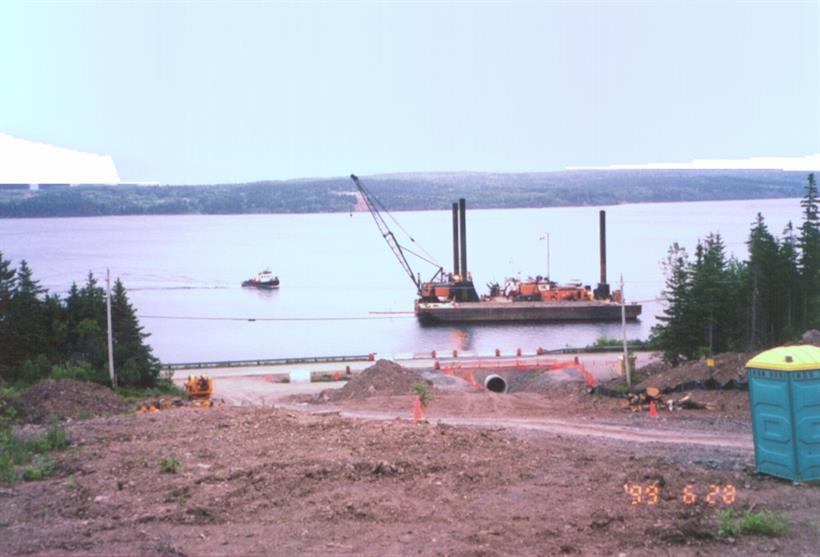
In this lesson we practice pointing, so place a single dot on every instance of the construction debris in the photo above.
(728, 371)
(149, 406)
(637, 402)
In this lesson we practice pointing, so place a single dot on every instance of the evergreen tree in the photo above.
(7, 286)
(54, 317)
(810, 255)
(764, 322)
(27, 334)
(788, 279)
(41, 336)
(134, 361)
(674, 335)
(86, 319)
(711, 295)
(738, 294)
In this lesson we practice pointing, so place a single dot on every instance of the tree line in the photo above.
(42, 335)
(716, 303)
(410, 192)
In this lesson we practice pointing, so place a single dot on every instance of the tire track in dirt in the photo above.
(736, 441)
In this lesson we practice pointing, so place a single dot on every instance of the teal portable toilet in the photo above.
(784, 394)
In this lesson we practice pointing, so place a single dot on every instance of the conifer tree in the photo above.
(7, 285)
(134, 360)
(810, 255)
(674, 335)
(86, 320)
(28, 334)
(711, 295)
(764, 322)
(788, 278)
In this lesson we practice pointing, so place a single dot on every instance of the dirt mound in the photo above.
(66, 398)
(384, 378)
(728, 372)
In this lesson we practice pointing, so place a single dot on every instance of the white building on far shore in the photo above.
(28, 163)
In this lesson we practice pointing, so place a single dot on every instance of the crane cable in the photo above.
(376, 201)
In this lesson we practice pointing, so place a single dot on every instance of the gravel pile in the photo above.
(384, 378)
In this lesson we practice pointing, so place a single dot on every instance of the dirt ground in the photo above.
(278, 482)
(535, 472)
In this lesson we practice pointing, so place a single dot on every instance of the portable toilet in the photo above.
(784, 395)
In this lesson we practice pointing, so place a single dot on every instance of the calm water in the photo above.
(183, 272)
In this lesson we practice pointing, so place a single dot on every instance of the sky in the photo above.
(207, 92)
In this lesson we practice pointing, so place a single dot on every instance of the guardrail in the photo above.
(591, 349)
(268, 362)
(369, 357)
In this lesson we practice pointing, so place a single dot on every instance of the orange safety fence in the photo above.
(464, 369)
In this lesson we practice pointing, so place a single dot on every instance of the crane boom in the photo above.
(386, 233)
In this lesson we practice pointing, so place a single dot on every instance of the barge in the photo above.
(495, 311)
(452, 297)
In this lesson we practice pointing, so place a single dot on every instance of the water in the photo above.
(183, 272)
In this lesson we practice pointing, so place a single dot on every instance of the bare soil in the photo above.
(539, 471)
(382, 378)
(56, 400)
(277, 482)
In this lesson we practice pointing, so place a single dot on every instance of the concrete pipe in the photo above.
(495, 383)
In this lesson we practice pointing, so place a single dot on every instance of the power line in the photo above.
(206, 318)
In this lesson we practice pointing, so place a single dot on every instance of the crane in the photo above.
(375, 207)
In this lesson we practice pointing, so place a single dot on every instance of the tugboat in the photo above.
(265, 280)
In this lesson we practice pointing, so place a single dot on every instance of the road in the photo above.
(602, 365)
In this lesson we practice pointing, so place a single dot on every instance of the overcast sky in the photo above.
(190, 92)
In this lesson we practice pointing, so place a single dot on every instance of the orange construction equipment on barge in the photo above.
(452, 297)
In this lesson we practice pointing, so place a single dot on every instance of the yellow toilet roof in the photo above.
(803, 357)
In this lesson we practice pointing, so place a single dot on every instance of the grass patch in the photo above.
(766, 523)
(423, 391)
(32, 452)
(617, 343)
(41, 467)
(169, 465)
(7, 473)
(164, 388)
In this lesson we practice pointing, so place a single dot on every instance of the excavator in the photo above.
(199, 388)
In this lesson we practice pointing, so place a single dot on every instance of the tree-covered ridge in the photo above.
(715, 303)
(44, 336)
(408, 192)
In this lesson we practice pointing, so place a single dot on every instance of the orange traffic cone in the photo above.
(418, 415)
(653, 410)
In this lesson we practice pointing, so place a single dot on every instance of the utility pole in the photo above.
(110, 333)
(546, 237)
(627, 371)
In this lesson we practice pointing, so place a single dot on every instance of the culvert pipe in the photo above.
(495, 384)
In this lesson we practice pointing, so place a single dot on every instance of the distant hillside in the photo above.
(422, 191)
